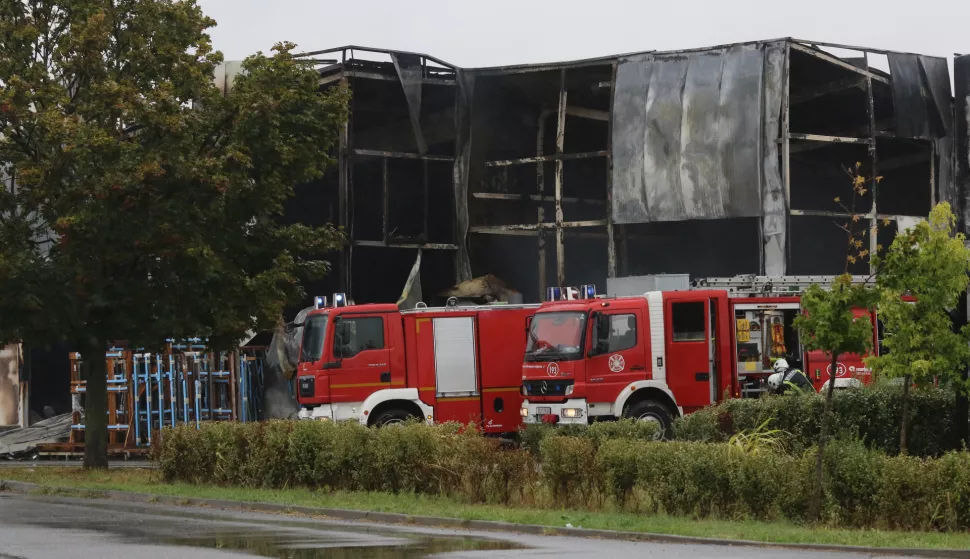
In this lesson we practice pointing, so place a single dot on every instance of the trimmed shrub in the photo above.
(617, 460)
(863, 487)
(870, 415)
(569, 468)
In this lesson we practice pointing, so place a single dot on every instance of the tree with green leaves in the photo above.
(830, 321)
(930, 263)
(142, 203)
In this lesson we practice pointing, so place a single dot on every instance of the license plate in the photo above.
(543, 410)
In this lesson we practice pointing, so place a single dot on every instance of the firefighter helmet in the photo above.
(774, 381)
(781, 365)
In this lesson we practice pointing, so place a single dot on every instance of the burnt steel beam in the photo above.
(832, 59)
(534, 198)
(809, 94)
(610, 240)
(560, 143)
(850, 47)
(592, 114)
(534, 228)
(331, 78)
(841, 215)
(401, 155)
(873, 167)
(393, 78)
(375, 50)
(545, 158)
(427, 246)
(540, 189)
(830, 139)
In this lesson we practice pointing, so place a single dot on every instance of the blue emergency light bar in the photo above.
(339, 299)
(587, 291)
(320, 302)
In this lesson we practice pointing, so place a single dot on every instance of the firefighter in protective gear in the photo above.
(785, 377)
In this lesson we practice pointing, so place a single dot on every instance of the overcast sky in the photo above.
(496, 32)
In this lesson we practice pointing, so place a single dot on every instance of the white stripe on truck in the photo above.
(655, 306)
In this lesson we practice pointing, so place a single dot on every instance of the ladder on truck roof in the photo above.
(768, 285)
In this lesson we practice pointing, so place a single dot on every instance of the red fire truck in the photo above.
(666, 353)
(377, 365)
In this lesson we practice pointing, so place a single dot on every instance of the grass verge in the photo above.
(146, 481)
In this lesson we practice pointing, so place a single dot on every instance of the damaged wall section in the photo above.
(686, 135)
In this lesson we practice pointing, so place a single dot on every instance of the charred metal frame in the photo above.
(347, 70)
(866, 76)
(850, 75)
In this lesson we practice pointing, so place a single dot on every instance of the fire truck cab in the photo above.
(666, 353)
(378, 365)
(653, 357)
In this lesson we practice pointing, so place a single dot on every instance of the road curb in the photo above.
(26, 488)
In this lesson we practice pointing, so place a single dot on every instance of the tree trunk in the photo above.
(904, 421)
(95, 405)
(816, 507)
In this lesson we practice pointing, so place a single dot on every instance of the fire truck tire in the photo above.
(392, 416)
(651, 410)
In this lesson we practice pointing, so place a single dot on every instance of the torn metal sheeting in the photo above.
(921, 94)
(685, 144)
(410, 73)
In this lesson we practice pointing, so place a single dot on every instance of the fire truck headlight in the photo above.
(572, 412)
(524, 412)
(569, 390)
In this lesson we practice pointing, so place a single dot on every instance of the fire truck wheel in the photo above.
(393, 417)
(650, 410)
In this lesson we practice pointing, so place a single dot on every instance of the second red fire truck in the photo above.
(666, 353)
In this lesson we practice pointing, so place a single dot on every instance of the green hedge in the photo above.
(605, 468)
(870, 415)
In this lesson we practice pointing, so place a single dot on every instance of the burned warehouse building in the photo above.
(710, 162)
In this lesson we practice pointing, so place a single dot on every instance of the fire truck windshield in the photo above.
(556, 336)
(314, 332)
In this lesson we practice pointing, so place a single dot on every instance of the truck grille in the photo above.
(307, 386)
(546, 387)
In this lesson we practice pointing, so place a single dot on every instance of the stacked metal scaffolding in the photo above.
(187, 383)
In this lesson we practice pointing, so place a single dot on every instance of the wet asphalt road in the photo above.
(35, 527)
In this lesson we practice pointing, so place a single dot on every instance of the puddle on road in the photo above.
(264, 536)
(292, 546)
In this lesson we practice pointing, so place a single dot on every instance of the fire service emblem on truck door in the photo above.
(616, 363)
(553, 369)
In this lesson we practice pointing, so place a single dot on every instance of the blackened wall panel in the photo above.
(961, 75)
(936, 73)
(908, 96)
(466, 84)
(686, 136)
